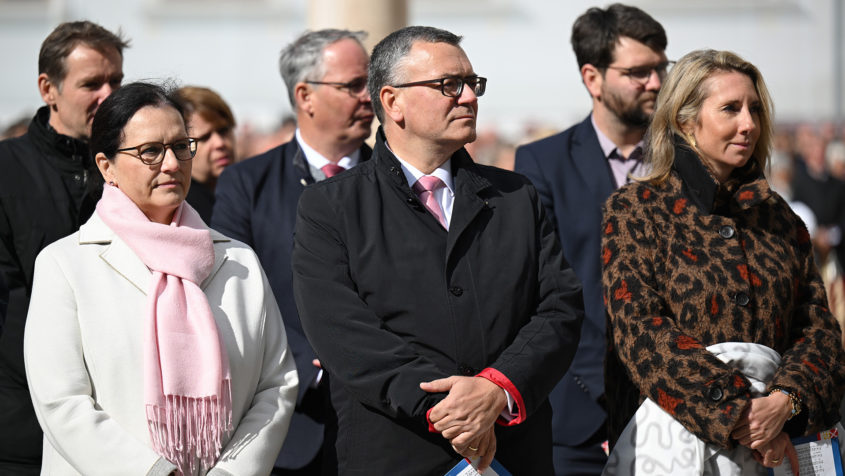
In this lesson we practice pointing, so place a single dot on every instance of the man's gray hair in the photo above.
(303, 59)
(389, 54)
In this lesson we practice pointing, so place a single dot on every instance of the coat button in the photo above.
(742, 299)
(726, 232)
(715, 394)
(466, 370)
(455, 290)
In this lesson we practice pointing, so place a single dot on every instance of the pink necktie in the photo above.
(425, 187)
(331, 169)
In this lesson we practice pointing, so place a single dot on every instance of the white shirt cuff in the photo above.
(508, 413)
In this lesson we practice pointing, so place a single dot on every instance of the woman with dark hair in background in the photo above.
(211, 123)
(153, 344)
(720, 338)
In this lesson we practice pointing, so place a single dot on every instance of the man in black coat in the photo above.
(49, 185)
(620, 56)
(326, 75)
(432, 288)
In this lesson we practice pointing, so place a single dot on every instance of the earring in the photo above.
(111, 182)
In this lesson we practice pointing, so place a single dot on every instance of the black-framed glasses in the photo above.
(354, 87)
(452, 86)
(641, 74)
(152, 153)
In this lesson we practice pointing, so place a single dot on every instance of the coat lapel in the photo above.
(295, 156)
(117, 253)
(590, 162)
(220, 256)
(120, 257)
(468, 203)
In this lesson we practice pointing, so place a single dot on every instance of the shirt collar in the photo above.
(607, 145)
(412, 174)
(317, 160)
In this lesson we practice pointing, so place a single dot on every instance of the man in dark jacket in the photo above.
(432, 288)
(620, 56)
(325, 73)
(49, 186)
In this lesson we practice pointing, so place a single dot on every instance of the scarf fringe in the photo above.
(189, 431)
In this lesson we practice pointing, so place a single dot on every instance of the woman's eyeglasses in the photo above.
(152, 153)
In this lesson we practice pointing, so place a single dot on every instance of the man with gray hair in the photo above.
(432, 288)
(325, 73)
(49, 185)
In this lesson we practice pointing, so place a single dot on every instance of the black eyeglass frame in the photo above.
(662, 69)
(347, 86)
(479, 89)
(192, 147)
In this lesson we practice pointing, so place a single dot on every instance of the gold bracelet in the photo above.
(793, 399)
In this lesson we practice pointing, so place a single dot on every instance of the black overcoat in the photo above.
(389, 299)
(49, 185)
(256, 203)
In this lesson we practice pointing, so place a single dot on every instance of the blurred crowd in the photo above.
(328, 297)
(251, 140)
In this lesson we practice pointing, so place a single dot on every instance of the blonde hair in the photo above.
(679, 104)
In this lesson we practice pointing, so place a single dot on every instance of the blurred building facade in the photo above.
(522, 46)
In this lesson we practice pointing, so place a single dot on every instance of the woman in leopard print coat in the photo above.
(700, 252)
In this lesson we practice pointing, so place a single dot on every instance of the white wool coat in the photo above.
(83, 349)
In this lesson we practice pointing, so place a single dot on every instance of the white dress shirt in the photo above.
(317, 161)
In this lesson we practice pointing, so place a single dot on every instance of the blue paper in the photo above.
(467, 468)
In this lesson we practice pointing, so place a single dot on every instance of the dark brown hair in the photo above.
(67, 36)
(116, 111)
(597, 31)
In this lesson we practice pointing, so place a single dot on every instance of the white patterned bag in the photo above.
(654, 443)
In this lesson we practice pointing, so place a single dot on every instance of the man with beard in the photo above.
(620, 52)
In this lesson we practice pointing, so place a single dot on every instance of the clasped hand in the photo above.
(466, 417)
(760, 428)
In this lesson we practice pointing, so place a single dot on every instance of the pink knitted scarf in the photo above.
(187, 385)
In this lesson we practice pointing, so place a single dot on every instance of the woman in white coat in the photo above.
(153, 344)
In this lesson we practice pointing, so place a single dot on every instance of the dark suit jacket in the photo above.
(256, 203)
(389, 299)
(574, 180)
(202, 199)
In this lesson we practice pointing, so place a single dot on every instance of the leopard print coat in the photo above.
(690, 263)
